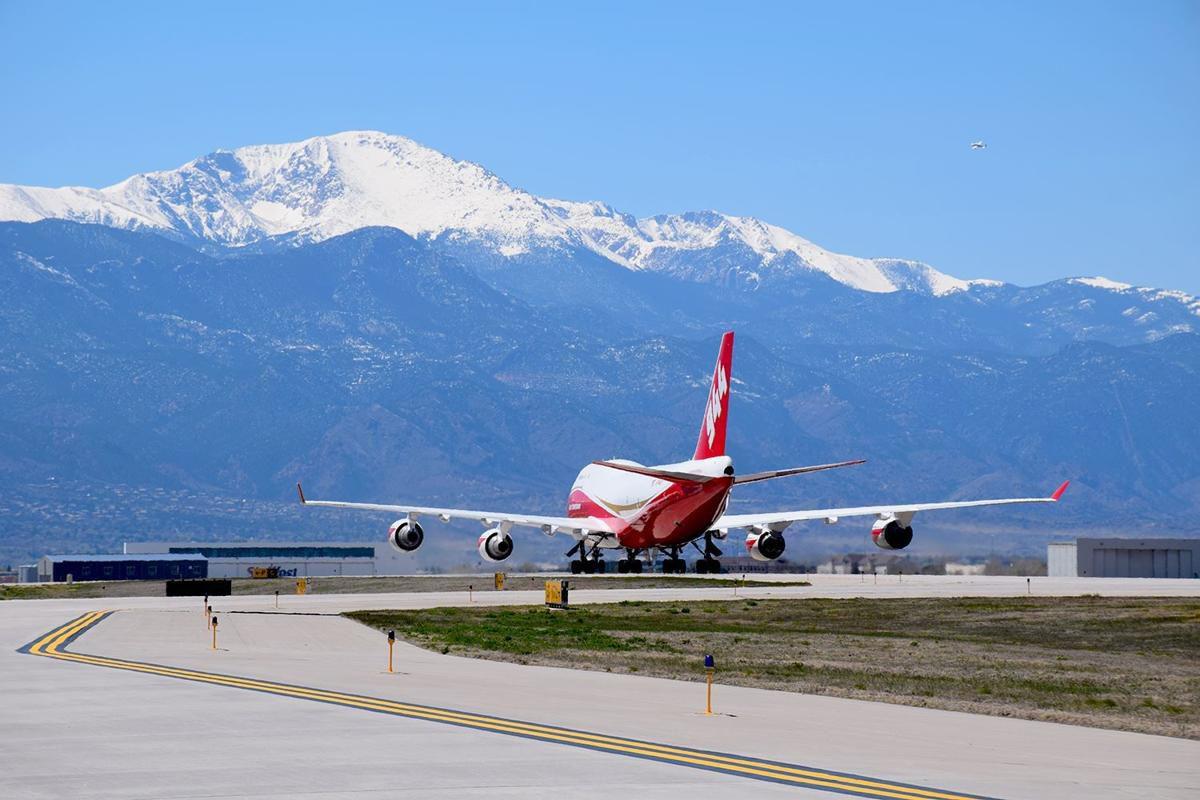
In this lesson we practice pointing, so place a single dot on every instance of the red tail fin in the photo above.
(716, 411)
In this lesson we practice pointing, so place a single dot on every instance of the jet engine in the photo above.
(405, 535)
(765, 545)
(889, 534)
(495, 545)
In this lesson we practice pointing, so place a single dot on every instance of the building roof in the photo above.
(127, 557)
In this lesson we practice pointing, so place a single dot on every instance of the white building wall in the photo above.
(310, 568)
(1061, 560)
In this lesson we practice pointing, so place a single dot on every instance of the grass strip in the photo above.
(1124, 663)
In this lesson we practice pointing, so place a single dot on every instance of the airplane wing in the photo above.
(779, 520)
(548, 525)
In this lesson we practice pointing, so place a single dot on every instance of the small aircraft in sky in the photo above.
(642, 510)
(979, 145)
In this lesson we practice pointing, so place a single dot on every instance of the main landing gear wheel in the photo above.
(708, 564)
(674, 566)
(630, 563)
(587, 563)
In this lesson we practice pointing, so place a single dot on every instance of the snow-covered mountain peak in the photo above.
(329, 185)
(311, 190)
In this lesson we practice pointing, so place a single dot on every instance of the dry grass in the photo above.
(1125, 663)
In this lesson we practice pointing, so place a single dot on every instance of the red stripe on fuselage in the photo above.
(679, 514)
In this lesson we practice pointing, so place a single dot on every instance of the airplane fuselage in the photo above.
(646, 511)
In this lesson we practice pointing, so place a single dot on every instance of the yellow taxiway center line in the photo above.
(49, 645)
(60, 634)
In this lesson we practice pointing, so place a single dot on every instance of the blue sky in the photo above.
(846, 122)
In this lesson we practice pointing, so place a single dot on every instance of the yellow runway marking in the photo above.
(54, 645)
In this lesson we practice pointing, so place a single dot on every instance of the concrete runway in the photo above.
(92, 731)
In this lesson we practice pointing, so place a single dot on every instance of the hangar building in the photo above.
(286, 559)
(1124, 558)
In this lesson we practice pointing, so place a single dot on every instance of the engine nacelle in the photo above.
(495, 545)
(765, 545)
(889, 534)
(405, 535)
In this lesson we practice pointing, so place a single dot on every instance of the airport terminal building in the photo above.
(1124, 558)
(285, 559)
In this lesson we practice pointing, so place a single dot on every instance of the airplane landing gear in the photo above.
(631, 563)
(587, 563)
(674, 565)
(708, 563)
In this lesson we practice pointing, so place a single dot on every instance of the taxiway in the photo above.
(106, 730)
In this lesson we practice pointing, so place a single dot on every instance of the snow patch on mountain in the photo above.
(1146, 293)
(1100, 282)
(689, 244)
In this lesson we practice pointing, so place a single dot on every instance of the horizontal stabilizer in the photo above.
(783, 473)
(665, 474)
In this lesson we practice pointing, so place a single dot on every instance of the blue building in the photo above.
(127, 567)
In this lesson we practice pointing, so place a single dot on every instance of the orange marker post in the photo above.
(391, 645)
(208, 617)
(214, 630)
(709, 667)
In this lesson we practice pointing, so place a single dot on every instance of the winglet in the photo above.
(300, 491)
(1059, 491)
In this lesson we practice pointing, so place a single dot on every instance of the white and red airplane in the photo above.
(642, 510)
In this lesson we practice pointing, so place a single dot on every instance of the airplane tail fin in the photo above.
(716, 411)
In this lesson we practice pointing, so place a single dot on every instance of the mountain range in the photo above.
(388, 322)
